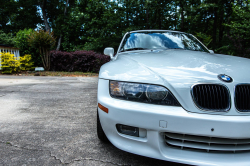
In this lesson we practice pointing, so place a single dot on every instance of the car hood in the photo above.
(178, 70)
(176, 67)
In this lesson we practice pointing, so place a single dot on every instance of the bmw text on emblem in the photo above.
(225, 78)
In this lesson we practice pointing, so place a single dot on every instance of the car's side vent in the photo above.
(211, 97)
(242, 98)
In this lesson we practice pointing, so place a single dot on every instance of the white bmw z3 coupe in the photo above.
(165, 95)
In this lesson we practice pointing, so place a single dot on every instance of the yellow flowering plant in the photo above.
(26, 62)
(9, 63)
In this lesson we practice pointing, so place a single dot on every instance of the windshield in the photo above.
(161, 40)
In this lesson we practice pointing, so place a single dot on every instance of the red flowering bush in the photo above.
(85, 61)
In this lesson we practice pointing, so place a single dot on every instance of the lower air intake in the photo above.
(206, 144)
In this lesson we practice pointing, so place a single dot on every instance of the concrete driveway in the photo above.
(52, 121)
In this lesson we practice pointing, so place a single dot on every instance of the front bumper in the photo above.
(177, 120)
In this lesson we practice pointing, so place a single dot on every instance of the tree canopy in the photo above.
(223, 25)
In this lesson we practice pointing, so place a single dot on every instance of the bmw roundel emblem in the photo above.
(225, 78)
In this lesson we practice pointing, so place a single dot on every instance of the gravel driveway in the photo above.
(52, 121)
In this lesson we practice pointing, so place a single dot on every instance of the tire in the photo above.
(100, 133)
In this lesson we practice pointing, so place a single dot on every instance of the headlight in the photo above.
(144, 93)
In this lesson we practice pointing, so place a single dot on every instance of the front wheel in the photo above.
(100, 133)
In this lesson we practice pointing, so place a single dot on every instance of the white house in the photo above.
(6, 48)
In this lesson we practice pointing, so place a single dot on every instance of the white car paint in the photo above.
(177, 70)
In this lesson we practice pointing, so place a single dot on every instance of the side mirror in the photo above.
(211, 51)
(109, 51)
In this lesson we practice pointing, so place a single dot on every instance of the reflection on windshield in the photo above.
(161, 40)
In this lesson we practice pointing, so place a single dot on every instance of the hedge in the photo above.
(85, 61)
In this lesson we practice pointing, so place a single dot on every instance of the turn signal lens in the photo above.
(103, 108)
(116, 88)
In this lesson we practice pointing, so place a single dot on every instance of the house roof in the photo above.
(7, 46)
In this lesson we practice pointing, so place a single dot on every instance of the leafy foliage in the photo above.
(18, 14)
(241, 22)
(84, 61)
(96, 24)
(43, 41)
(9, 63)
(22, 43)
(26, 63)
(7, 39)
(239, 34)
(206, 39)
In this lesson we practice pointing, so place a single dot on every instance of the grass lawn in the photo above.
(54, 73)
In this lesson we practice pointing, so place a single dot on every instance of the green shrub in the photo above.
(43, 41)
(22, 43)
(206, 39)
(7, 39)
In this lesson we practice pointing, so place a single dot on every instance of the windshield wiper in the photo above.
(179, 48)
(131, 49)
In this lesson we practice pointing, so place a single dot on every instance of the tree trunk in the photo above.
(229, 13)
(160, 22)
(207, 23)
(182, 16)
(40, 50)
(127, 13)
(45, 19)
(59, 43)
(147, 17)
(60, 39)
(221, 27)
(159, 14)
(175, 16)
(155, 18)
(215, 28)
